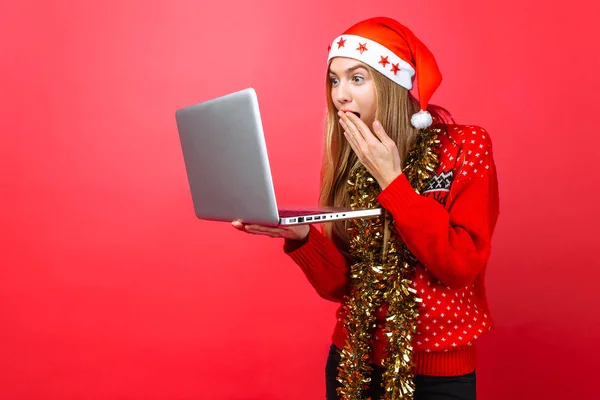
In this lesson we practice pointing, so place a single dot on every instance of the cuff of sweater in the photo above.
(398, 195)
(290, 246)
(315, 244)
(294, 248)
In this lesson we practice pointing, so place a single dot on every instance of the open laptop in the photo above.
(228, 170)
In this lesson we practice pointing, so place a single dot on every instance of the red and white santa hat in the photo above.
(392, 49)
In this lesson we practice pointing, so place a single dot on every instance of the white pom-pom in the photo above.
(421, 120)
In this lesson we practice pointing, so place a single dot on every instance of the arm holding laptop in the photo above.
(323, 264)
(453, 244)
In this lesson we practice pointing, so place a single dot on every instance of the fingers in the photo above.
(360, 128)
(351, 139)
(381, 134)
(259, 230)
(264, 230)
(378, 130)
(264, 233)
(238, 225)
(351, 128)
(353, 136)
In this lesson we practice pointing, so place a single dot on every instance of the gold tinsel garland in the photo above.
(382, 274)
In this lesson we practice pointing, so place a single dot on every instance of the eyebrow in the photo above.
(349, 70)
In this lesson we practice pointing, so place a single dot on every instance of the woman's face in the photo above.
(353, 88)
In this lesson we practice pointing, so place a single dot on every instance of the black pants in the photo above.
(426, 387)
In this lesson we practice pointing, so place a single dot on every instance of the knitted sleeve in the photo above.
(453, 243)
(323, 264)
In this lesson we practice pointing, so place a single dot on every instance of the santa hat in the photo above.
(393, 50)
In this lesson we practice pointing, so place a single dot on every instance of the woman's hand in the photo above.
(378, 154)
(294, 232)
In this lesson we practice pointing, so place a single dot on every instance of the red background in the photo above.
(110, 288)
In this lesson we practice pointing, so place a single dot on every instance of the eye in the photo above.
(357, 78)
(333, 80)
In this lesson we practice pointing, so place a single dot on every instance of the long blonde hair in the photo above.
(395, 106)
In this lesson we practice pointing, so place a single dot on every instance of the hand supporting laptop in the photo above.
(294, 232)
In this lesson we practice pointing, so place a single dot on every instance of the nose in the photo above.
(342, 93)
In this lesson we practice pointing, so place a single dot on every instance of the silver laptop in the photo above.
(228, 170)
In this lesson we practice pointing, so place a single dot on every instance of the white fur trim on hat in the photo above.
(374, 55)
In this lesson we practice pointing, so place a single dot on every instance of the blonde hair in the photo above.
(395, 106)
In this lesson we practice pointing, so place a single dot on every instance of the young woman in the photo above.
(410, 283)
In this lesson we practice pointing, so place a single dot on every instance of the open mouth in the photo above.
(353, 112)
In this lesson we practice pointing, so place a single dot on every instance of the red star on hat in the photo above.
(341, 42)
(384, 61)
(362, 47)
(395, 68)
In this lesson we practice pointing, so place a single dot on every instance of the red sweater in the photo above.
(448, 228)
